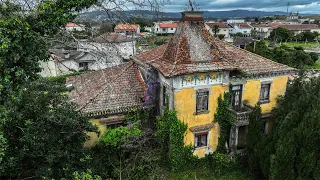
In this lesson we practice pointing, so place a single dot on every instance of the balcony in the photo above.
(241, 115)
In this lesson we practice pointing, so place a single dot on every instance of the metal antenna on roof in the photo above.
(191, 5)
(196, 5)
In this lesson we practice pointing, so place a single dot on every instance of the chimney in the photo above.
(192, 16)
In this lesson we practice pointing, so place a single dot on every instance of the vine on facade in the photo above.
(171, 132)
(225, 120)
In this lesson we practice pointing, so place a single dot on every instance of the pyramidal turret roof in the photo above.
(192, 49)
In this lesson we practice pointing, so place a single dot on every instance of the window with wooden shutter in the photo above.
(202, 101)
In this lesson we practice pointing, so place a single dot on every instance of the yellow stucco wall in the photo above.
(252, 92)
(185, 104)
(94, 136)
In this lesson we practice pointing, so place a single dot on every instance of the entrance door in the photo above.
(236, 97)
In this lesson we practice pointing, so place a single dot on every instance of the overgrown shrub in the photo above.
(225, 120)
(171, 132)
(218, 163)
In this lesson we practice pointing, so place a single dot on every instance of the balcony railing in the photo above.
(241, 115)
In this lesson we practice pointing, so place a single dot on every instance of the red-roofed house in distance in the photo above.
(167, 27)
(128, 29)
(243, 28)
(262, 31)
(299, 28)
(223, 30)
(75, 27)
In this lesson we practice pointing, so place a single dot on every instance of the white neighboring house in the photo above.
(263, 31)
(299, 28)
(168, 27)
(223, 30)
(243, 28)
(128, 29)
(121, 46)
(67, 61)
(308, 20)
(148, 29)
(235, 21)
(104, 51)
(75, 27)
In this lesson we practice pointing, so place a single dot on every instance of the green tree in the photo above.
(294, 57)
(41, 133)
(254, 138)
(291, 150)
(296, 135)
(314, 56)
(281, 34)
(44, 133)
(22, 43)
(124, 153)
(260, 48)
(308, 36)
(216, 30)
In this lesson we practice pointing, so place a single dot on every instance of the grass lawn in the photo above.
(307, 45)
(315, 66)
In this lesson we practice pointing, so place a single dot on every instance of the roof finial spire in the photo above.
(191, 5)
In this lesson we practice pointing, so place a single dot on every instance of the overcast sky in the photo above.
(303, 6)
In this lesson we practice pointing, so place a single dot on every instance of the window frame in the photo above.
(198, 136)
(84, 66)
(263, 87)
(164, 96)
(200, 94)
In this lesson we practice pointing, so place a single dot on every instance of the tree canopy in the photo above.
(294, 57)
(281, 34)
(41, 134)
(291, 151)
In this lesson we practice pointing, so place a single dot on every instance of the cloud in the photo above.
(303, 6)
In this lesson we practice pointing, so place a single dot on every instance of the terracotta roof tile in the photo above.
(245, 25)
(74, 25)
(300, 26)
(220, 24)
(168, 25)
(114, 90)
(127, 27)
(192, 49)
(201, 127)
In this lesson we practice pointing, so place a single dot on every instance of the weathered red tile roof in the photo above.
(109, 91)
(244, 25)
(74, 25)
(168, 25)
(220, 24)
(192, 50)
(127, 27)
(201, 127)
(112, 38)
(302, 27)
(270, 25)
